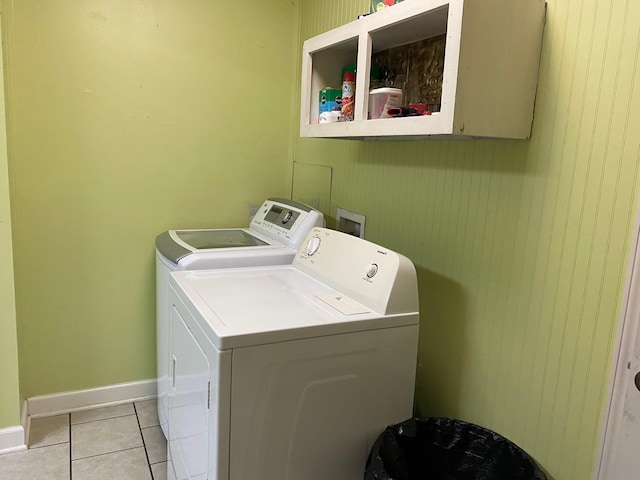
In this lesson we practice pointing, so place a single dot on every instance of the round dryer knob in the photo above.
(287, 217)
(313, 245)
(371, 270)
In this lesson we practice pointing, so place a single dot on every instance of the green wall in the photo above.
(10, 391)
(127, 118)
(521, 246)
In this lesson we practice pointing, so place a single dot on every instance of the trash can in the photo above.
(447, 449)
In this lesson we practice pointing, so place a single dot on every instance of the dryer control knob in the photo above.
(372, 270)
(313, 245)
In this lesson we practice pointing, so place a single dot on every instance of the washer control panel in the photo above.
(377, 277)
(286, 220)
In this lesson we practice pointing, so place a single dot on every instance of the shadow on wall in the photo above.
(441, 351)
(470, 156)
(443, 348)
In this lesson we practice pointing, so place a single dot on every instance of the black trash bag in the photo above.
(447, 449)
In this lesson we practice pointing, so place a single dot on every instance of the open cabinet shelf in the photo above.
(489, 72)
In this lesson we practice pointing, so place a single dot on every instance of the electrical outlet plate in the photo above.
(350, 222)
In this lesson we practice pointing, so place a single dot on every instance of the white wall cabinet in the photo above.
(489, 78)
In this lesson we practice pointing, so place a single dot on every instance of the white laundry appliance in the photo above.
(291, 372)
(273, 237)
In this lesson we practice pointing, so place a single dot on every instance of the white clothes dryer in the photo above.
(291, 372)
(273, 237)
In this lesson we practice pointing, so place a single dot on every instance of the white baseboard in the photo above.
(12, 439)
(25, 421)
(65, 402)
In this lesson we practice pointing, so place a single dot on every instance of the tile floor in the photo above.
(122, 442)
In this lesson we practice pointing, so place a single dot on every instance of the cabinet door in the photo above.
(188, 404)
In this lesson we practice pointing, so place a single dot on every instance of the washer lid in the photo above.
(206, 239)
(177, 244)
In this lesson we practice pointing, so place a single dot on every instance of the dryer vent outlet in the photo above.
(350, 222)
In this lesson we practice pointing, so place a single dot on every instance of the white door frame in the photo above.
(621, 375)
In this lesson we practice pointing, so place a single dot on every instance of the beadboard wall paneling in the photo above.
(521, 246)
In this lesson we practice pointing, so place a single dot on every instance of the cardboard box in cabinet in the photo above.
(330, 99)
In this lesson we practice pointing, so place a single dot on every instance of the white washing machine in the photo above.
(273, 237)
(291, 372)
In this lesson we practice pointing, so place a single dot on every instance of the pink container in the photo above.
(381, 99)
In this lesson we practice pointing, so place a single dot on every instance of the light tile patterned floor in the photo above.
(121, 442)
